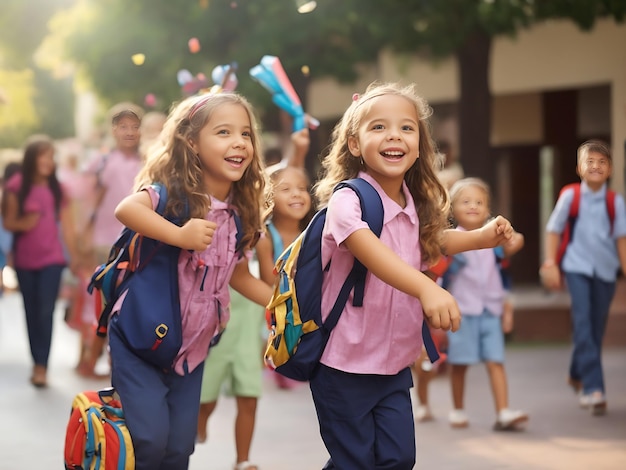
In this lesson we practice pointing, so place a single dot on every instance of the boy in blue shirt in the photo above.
(594, 255)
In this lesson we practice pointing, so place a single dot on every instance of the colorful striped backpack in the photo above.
(96, 437)
(298, 335)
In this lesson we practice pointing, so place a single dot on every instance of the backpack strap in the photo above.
(568, 231)
(372, 212)
(503, 264)
(610, 208)
(239, 237)
(125, 238)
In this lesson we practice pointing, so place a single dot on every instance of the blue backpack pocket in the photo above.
(149, 320)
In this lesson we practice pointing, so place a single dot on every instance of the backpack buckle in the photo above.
(161, 330)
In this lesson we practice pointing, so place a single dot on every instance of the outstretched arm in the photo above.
(136, 212)
(300, 142)
(249, 286)
(494, 233)
(439, 306)
(265, 255)
(514, 244)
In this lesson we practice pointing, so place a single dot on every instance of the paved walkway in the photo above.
(559, 435)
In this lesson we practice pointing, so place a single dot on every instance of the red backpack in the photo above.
(96, 437)
(568, 233)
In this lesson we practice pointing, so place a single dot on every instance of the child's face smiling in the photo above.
(291, 195)
(388, 138)
(594, 169)
(471, 208)
(224, 147)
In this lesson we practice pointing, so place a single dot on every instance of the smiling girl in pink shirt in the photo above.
(210, 163)
(361, 391)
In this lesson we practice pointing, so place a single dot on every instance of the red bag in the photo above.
(96, 437)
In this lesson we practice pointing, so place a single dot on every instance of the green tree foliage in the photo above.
(465, 29)
(33, 101)
(102, 36)
(330, 41)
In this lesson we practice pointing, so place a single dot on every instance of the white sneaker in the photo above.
(584, 400)
(509, 420)
(423, 414)
(458, 419)
(597, 402)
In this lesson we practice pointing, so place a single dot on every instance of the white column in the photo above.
(618, 129)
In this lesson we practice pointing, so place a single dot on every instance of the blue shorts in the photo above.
(479, 339)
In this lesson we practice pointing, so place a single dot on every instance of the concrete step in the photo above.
(542, 316)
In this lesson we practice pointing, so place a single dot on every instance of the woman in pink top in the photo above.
(361, 391)
(34, 207)
(210, 163)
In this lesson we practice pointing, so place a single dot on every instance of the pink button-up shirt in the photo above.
(384, 336)
(478, 284)
(203, 279)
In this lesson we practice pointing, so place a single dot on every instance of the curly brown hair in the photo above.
(173, 162)
(431, 198)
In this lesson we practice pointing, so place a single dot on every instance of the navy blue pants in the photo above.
(161, 409)
(591, 300)
(366, 421)
(40, 289)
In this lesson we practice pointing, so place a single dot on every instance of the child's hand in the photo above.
(440, 308)
(301, 140)
(197, 234)
(496, 232)
(550, 275)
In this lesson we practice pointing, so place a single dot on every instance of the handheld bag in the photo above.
(297, 334)
(145, 273)
(96, 437)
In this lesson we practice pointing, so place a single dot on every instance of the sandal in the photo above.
(38, 379)
(245, 465)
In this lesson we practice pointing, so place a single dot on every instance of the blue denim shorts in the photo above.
(479, 339)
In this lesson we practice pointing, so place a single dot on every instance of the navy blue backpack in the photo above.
(297, 334)
(138, 266)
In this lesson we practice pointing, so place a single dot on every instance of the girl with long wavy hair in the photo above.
(209, 160)
(35, 206)
(361, 389)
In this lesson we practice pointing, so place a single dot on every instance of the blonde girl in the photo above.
(289, 210)
(479, 291)
(209, 160)
(361, 391)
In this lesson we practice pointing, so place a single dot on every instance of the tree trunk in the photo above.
(475, 108)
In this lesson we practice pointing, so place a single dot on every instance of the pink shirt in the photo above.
(41, 246)
(385, 335)
(203, 279)
(478, 284)
(117, 176)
